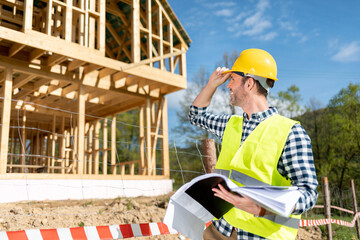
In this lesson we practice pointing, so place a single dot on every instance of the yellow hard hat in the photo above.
(256, 62)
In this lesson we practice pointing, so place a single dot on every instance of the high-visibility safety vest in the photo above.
(254, 162)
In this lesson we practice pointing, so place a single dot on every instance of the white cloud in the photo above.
(220, 4)
(174, 98)
(224, 13)
(269, 36)
(348, 53)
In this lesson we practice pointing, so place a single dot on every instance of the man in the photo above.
(259, 148)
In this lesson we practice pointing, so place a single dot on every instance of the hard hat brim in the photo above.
(231, 70)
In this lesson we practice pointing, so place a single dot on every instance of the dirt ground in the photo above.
(96, 212)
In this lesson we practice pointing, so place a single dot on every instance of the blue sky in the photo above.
(316, 44)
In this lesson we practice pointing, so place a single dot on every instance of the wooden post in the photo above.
(5, 119)
(182, 63)
(28, 15)
(68, 20)
(161, 41)
(113, 145)
(62, 144)
(148, 136)
(209, 153)
(327, 209)
(81, 130)
(149, 25)
(165, 143)
(23, 141)
(101, 33)
(355, 207)
(53, 145)
(135, 37)
(96, 147)
(105, 146)
(141, 141)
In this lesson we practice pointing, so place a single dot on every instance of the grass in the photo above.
(338, 232)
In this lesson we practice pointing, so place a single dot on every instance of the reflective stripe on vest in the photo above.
(255, 163)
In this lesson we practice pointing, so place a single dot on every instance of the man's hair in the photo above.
(260, 89)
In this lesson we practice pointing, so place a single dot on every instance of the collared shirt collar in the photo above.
(260, 116)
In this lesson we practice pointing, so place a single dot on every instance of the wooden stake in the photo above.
(327, 209)
(355, 207)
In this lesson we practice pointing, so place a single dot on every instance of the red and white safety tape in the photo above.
(125, 231)
(90, 233)
(318, 222)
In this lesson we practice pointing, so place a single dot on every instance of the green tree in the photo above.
(287, 102)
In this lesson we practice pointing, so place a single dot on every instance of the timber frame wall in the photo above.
(68, 67)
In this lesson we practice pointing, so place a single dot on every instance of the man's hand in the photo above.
(242, 203)
(215, 80)
(218, 77)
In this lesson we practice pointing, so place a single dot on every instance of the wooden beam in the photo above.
(55, 59)
(75, 51)
(5, 120)
(15, 48)
(74, 64)
(160, 32)
(36, 53)
(135, 37)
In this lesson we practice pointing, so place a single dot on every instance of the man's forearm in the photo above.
(205, 96)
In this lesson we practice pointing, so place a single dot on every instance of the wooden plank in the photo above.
(5, 120)
(135, 37)
(15, 48)
(182, 63)
(165, 140)
(81, 130)
(28, 16)
(113, 145)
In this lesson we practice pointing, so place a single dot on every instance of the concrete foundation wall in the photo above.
(15, 190)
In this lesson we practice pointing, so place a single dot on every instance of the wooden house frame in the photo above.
(67, 67)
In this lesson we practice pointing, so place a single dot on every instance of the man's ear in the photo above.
(250, 84)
